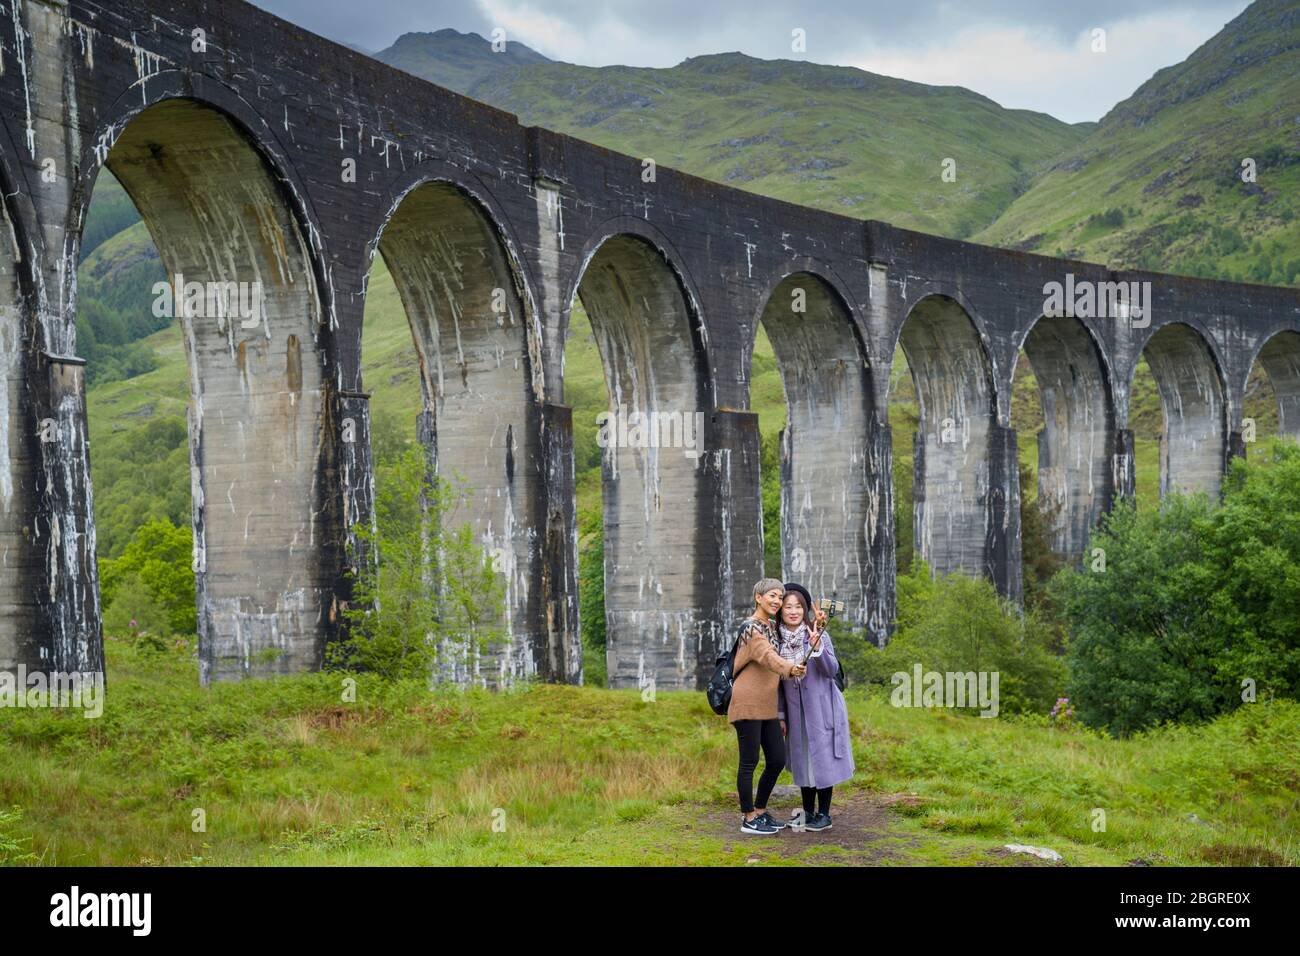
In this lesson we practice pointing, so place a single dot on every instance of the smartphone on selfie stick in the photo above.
(831, 607)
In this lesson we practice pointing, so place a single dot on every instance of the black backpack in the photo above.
(719, 687)
(840, 679)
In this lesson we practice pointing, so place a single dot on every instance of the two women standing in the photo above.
(757, 673)
(813, 714)
(784, 679)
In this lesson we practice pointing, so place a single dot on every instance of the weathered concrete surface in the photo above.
(235, 149)
(1076, 446)
(830, 509)
(1280, 358)
(657, 612)
(952, 461)
(256, 409)
(52, 512)
(21, 560)
(1194, 442)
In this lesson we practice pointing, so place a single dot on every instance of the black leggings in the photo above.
(749, 735)
(823, 799)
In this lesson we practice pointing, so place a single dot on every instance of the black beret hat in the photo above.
(800, 590)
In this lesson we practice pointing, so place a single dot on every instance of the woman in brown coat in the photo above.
(753, 710)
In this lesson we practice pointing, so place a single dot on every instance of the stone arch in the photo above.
(265, 512)
(952, 477)
(1076, 445)
(645, 233)
(473, 191)
(1188, 377)
(1280, 358)
(251, 129)
(829, 509)
(660, 568)
(471, 321)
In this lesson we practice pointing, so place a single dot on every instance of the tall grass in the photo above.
(286, 772)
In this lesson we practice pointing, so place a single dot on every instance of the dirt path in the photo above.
(862, 833)
(866, 832)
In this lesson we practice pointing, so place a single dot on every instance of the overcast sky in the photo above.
(1029, 54)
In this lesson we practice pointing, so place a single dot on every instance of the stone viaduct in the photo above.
(233, 132)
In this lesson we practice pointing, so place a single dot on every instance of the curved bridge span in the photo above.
(259, 153)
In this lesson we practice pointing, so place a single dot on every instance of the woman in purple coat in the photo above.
(813, 714)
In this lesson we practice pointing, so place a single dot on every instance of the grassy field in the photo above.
(286, 772)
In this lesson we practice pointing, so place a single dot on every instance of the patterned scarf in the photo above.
(791, 643)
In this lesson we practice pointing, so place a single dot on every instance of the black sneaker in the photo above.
(758, 826)
(818, 821)
(773, 821)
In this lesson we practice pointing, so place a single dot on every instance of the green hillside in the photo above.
(1159, 183)
(115, 278)
(832, 137)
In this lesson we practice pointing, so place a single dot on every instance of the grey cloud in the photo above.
(758, 27)
(762, 27)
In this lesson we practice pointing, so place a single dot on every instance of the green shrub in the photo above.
(427, 595)
(136, 614)
(148, 591)
(959, 624)
(1038, 561)
(1196, 601)
(12, 846)
(1110, 219)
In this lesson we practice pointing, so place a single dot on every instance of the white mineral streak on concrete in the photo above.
(10, 370)
(147, 65)
(20, 45)
(85, 36)
(559, 217)
(724, 465)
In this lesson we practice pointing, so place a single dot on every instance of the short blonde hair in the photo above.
(768, 584)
